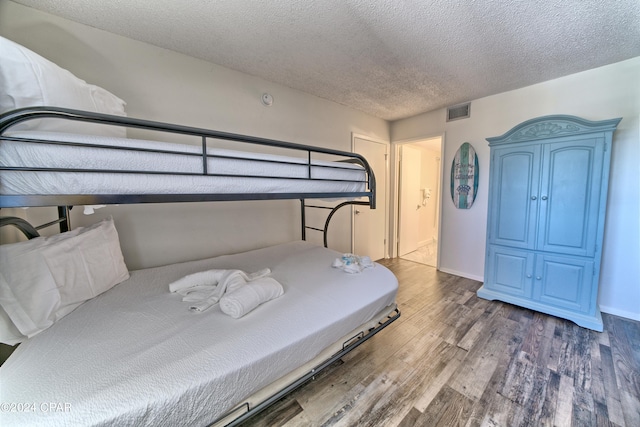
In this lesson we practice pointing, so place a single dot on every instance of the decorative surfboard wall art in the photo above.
(464, 177)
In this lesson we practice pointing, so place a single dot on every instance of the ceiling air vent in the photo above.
(458, 112)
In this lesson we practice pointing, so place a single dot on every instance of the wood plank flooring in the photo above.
(453, 359)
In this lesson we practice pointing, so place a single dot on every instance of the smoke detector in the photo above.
(267, 99)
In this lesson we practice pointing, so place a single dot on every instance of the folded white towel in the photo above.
(244, 299)
(197, 293)
(212, 278)
(204, 304)
(352, 263)
(204, 289)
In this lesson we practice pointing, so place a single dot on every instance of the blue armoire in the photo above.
(547, 198)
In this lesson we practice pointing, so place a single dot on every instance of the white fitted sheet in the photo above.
(136, 355)
(15, 153)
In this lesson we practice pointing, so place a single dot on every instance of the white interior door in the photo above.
(409, 199)
(369, 225)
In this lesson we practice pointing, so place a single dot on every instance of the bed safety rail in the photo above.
(12, 118)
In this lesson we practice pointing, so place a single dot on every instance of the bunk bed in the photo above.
(133, 355)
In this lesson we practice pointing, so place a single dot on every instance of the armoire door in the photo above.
(570, 196)
(514, 196)
(564, 282)
(509, 271)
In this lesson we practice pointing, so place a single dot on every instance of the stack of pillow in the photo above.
(44, 279)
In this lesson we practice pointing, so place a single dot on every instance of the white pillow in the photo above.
(29, 80)
(9, 334)
(44, 279)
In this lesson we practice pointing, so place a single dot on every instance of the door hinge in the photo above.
(385, 156)
(605, 147)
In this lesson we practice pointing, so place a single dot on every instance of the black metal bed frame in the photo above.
(65, 201)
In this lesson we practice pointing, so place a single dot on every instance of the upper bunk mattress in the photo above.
(244, 172)
(136, 355)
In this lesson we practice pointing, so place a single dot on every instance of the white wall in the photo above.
(163, 85)
(598, 94)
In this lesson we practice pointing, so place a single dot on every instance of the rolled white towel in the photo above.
(246, 298)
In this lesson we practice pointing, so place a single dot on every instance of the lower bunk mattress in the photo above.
(136, 355)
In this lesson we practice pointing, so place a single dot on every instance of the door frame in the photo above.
(385, 205)
(395, 161)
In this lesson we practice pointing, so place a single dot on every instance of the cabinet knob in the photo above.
(528, 276)
(544, 197)
(533, 197)
(538, 278)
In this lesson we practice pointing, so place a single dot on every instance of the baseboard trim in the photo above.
(620, 313)
(461, 274)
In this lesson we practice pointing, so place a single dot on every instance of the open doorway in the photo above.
(419, 188)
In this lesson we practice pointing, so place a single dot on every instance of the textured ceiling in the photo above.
(388, 58)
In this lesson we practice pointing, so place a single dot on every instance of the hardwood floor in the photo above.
(453, 359)
(425, 254)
